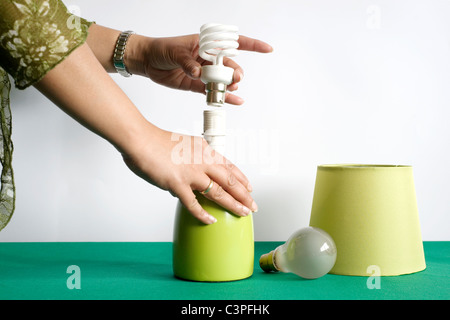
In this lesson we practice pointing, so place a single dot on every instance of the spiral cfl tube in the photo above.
(216, 42)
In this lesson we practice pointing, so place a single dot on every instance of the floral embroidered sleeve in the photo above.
(35, 35)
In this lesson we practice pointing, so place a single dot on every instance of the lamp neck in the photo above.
(214, 129)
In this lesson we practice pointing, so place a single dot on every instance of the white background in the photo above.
(348, 82)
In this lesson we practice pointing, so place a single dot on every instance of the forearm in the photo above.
(102, 41)
(81, 87)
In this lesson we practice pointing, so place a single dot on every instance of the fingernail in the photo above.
(249, 187)
(239, 76)
(239, 101)
(195, 72)
(254, 207)
(246, 210)
(212, 219)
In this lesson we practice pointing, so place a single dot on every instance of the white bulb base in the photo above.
(217, 73)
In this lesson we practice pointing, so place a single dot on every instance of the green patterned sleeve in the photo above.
(7, 190)
(35, 35)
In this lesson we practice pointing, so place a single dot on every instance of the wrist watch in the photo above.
(119, 52)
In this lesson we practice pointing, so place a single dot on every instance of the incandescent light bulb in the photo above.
(217, 41)
(309, 253)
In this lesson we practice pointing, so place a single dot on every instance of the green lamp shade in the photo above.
(371, 213)
(222, 251)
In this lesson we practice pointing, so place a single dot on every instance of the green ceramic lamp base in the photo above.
(223, 251)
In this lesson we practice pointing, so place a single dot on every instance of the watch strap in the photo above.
(119, 52)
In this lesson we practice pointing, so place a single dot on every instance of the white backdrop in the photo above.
(348, 82)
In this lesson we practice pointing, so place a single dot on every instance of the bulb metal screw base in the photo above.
(267, 263)
(215, 93)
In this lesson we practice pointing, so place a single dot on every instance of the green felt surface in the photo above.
(144, 271)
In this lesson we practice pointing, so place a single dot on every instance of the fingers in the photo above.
(231, 198)
(250, 44)
(189, 200)
(217, 179)
(233, 99)
(239, 175)
(238, 71)
(225, 200)
(247, 44)
(231, 189)
(238, 75)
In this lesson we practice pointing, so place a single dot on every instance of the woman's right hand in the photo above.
(183, 164)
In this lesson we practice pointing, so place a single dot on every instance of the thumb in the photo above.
(191, 67)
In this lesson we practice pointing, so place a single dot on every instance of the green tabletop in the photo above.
(143, 270)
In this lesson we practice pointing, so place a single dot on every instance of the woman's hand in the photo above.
(175, 62)
(183, 164)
